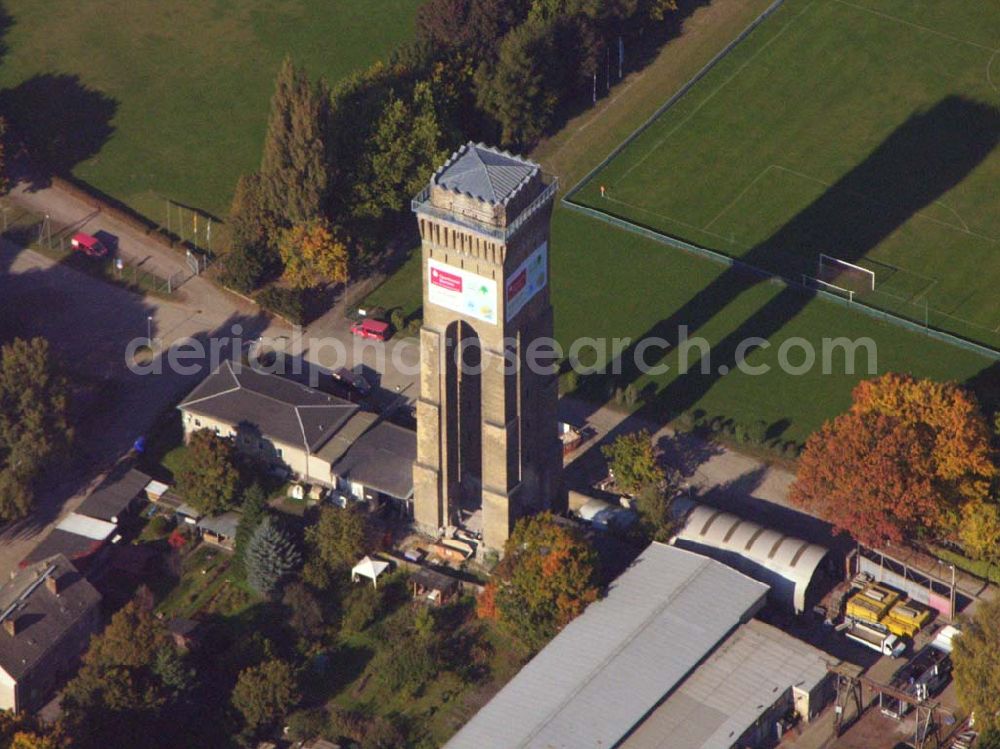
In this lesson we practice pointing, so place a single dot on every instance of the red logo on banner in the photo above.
(446, 280)
(517, 283)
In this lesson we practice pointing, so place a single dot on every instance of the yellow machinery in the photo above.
(906, 618)
(872, 604)
(882, 606)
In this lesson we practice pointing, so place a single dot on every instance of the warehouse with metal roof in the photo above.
(722, 704)
(670, 658)
(792, 567)
(594, 682)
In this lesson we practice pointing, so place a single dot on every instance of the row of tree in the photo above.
(337, 162)
(34, 422)
(911, 460)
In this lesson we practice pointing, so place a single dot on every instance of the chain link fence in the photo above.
(39, 232)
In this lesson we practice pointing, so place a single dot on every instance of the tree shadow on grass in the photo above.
(59, 122)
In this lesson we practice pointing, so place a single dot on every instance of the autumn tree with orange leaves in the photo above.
(910, 458)
(314, 253)
(547, 578)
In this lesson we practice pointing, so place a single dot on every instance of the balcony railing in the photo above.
(422, 204)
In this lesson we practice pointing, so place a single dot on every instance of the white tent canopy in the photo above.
(370, 568)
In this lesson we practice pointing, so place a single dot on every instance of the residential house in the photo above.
(49, 612)
(320, 438)
(378, 466)
(270, 417)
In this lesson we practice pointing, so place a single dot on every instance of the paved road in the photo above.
(89, 323)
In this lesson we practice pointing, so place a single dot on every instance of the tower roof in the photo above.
(485, 173)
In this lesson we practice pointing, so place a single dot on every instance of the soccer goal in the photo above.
(847, 274)
(817, 283)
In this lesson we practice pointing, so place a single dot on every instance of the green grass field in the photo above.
(611, 283)
(189, 82)
(650, 292)
(863, 129)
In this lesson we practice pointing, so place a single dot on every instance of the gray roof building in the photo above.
(593, 683)
(113, 497)
(791, 566)
(48, 611)
(221, 525)
(276, 407)
(732, 690)
(71, 545)
(487, 174)
(381, 459)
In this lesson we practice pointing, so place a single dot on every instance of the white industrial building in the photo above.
(795, 569)
(669, 658)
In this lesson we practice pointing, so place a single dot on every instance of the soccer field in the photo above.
(866, 130)
(186, 84)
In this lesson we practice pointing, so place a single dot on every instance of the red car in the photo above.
(88, 245)
(375, 329)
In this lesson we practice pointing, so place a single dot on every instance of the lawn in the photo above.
(611, 283)
(183, 85)
(402, 290)
(435, 708)
(205, 576)
(654, 289)
(863, 130)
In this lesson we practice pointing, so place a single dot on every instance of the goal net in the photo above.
(847, 275)
(817, 283)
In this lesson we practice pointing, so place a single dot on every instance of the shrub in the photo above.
(159, 526)
(397, 319)
(289, 303)
(741, 434)
(631, 395)
(360, 609)
(757, 432)
(569, 381)
(413, 327)
(307, 724)
(177, 540)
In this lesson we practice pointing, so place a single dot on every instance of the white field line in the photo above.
(671, 219)
(737, 199)
(989, 68)
(918, 214)
(708, 98)
(917, 26)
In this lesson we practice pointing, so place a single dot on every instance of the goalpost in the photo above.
(844, 266)
(816, 283)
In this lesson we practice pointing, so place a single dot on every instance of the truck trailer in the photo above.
(875, 637)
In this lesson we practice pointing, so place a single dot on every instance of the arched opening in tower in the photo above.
(464, 406)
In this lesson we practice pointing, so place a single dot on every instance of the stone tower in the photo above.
(487, 432)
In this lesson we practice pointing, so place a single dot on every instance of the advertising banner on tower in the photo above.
(462, 291)
(527, 280)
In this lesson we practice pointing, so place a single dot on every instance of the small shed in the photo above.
(187, 513)
(115, 497)
(155, 490)
(184, 632)
(319, 743)
(220, 530)
(434, 587)
(370, 568)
